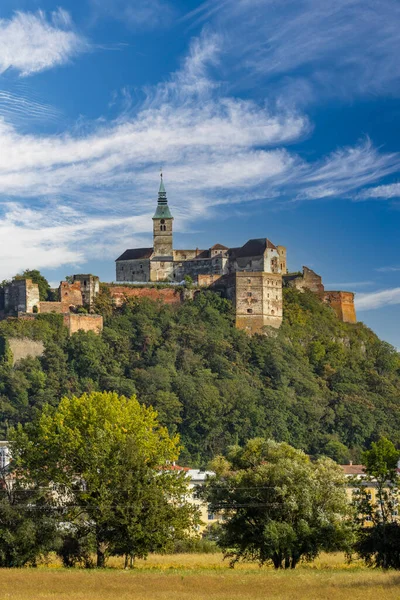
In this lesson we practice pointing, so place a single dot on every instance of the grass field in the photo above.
(201, 577)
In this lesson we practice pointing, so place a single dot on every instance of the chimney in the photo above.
(351, 463)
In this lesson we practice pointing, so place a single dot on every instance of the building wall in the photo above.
(83, 322)
(282, 259)
(258, 301)
(133, 270)
(161, 270)
(343, 305)
(120, 293)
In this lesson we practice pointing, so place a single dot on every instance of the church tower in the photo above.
(162, 226)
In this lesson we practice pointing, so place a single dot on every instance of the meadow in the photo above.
(200, 577)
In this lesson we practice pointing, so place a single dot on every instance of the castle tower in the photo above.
(162, 226)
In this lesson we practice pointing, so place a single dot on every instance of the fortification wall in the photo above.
(83, 322)
(24, 347)
(120, 293)
(308, 280)
(70, 294)
(53, 307)
(343, 305)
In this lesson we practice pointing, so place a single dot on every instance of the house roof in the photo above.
(353, 469)
(136, 254)
(255, 247)
(219, 247)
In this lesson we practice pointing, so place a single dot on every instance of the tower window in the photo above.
(249, 294)
(249, 310)
(163, 228)
(162, 221)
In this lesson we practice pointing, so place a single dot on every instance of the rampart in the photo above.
(343, 305)
(76, 323)
(24, 347)
(121, 293)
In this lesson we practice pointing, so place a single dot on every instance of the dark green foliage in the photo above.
(379, 546)
(321, 385)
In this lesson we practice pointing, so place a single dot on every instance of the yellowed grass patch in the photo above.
(200, 577)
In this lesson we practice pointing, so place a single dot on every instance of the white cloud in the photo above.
(386, 192)
(378, 299)
(30, 42)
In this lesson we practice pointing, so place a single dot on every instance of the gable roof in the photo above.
(255, 247)
(219, 247)
(353, 469)
(136, 254)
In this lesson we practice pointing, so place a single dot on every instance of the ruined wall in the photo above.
(120, 293)
(53, 307)
(70, 294)
(307, 280)
(90, 287)
(343, 305)
(83, 322)
(24, 347)
(20, 296)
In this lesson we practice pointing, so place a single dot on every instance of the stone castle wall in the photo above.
(24, 347)
(120, 293)
(83, 322)
(343, 305)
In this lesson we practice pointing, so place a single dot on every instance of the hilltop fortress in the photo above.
(252, 276)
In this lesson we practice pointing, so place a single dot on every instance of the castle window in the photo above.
(84, 282)
(141, 266)
(249, 281)
(272, 312)
(162, 221)
(249, 310)
(249, 294)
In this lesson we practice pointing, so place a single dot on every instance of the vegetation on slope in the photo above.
(319, 384)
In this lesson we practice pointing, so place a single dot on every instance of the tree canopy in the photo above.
(105, 456)
(327, 387)
(278, 506)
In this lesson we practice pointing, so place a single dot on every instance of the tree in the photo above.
(27, 522)
(37, 277)
(106, 457)
(379, 544)
(278, 505)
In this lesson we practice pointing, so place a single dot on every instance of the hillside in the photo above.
(322, 385)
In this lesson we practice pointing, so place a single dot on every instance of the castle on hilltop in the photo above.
(252, 276)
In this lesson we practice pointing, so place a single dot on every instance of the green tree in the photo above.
(379, 545)
(278, 505)
(106, 456)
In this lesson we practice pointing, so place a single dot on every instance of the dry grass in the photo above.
(200, 577)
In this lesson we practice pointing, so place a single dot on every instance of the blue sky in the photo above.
(270, 119)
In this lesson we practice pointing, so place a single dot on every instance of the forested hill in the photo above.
(322, 385)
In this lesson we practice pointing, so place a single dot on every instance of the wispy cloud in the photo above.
(148, 14)
(342, 48)
(388, 269)
(32, 42)
(378, 299)
(385, 192)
